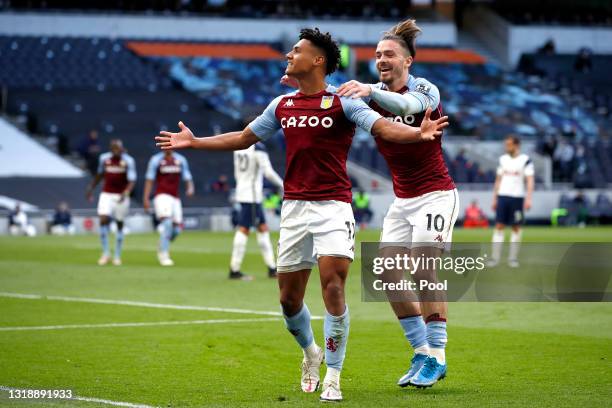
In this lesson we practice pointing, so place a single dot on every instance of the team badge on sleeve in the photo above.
(423, 88)
(327, 101)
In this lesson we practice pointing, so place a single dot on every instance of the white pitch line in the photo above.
(138, 324)
(143, 304)
(137, 304)
(88, 399)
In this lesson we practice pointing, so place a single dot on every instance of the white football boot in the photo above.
(310, 372)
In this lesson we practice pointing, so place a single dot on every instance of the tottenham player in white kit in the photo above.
(512, 194)
(251, 165)
(317, 224)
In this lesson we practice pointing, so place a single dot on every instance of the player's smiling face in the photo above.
(391, 60)
(302, 58)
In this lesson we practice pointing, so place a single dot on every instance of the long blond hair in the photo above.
(405, 33)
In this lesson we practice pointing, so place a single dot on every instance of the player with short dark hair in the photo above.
(317, 223)
(511, 197)
(118, 170)
(166, 170)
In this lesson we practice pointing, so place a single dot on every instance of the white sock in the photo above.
(439, 354)
(332, 376)
(515, 245)
(311, 352)
(240, 242)
(498, 241)
(424, 349)
(265, 245)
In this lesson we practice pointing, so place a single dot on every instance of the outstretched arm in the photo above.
(400, 133)
(185, 139)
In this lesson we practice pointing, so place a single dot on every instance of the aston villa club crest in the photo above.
(327, 101)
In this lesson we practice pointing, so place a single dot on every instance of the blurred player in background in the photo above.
(511, 196)
(317, 223)
(426, 206)
(166, 169)
(118, 170)
(251, 165)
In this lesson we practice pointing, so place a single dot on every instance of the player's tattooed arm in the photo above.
(184, 139)
(400, 133)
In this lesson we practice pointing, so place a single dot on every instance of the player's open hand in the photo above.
(355, 89)
(290, 82)
(430, 129)
(172, 141)
(146, 204)
(527, 204)
(89, 195)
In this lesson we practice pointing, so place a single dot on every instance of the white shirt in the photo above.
(513, 171)
(250, 167)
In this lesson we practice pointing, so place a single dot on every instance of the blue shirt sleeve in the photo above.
(426, 92)
(185, 172)
(265, 125)
(131, 168)
(359, 113)
(152, 167)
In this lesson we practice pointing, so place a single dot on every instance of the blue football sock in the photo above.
(336, 330)
(166, 233)
(414, 330)
(118, 243)
(104, 231)
(436, 339)
(299, 326)
(176, 230)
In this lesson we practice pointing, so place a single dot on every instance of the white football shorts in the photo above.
(168, 206)
(111, 205)
(427, 220)
(311, 229)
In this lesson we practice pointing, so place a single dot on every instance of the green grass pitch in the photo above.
(499, 354)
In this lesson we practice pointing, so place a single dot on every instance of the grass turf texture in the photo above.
(499, 354)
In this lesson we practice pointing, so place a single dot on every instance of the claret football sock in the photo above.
(238, 250)
(263, 239)
(104, 231)
(299, 326)
(416, 332)
(336, 331)
(437, 338)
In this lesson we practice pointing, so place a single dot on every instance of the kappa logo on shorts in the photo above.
(439, 238)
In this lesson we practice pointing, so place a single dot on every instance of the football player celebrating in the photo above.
(423, 214)
(317, 223)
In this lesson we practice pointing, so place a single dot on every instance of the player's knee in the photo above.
(291, 304)
(333, 289)
(244, 230)
(119, 225)
(104, 220)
